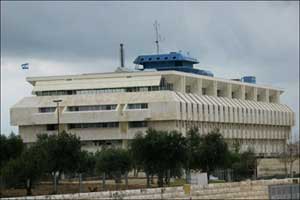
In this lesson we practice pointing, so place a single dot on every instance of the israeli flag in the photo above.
(25, 66)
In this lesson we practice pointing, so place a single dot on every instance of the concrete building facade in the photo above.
(110, 108)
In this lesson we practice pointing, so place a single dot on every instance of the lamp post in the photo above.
(57, 101)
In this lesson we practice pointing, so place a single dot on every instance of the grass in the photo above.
(216, 181)
(178, 182)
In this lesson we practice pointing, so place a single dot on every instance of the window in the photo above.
(246, 96)
(137, 106)
(51, 127)
(204, 91)
(47, 109)
(138, 124)
(188, 89)
(218, 93)
(178, 63)
(168, 86)
(92, 108)
(95, 125)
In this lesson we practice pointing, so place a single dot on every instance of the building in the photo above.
(166, 92)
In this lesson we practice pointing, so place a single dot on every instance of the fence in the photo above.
(288, 191)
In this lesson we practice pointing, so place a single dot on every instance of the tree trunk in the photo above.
(80, 182)
(167, 178)
(152, 179)
(285, 169)
(188, 176)
(54, 184)
(291, 169)
(28, 188)
(160, 180)
(103, 181)
(148, 180)
(126, 180)
(118, 180)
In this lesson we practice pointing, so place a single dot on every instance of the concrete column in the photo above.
(267, 95)
(241, 92)
(212, 89)
(228, 90)
(277, 97)
(181, 84)
(253, 94)
(124, 144)
(264, 95)
(199, 87)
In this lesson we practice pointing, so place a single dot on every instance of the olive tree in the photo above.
(62, 153)
(213, 152)
(10, 147)
(160, 153)
(26, 169)
(113, 162)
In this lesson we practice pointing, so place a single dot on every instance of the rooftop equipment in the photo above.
(249, 79)
(172, 61)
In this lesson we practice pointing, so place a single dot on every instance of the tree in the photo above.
(289, 155)
(113, 162)
(12, 146)
(134, 150)
(86, 162)
(245, 166)
(160, 153)
(213, 152)
(62, 152)
(193, 142)
(25, 169)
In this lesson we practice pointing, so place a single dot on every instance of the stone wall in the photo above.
(274, 166)
(234, 190)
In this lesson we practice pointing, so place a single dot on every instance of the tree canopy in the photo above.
(160, 153)
(62, 150)
(213, 151)
(25, 169)
(10, 147)
(113, 162)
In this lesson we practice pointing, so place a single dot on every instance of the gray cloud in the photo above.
(231, 39)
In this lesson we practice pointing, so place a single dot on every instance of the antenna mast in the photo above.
(156, 25)
(121, 55)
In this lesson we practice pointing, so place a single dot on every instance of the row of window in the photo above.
(95, 125)
(94, 107)
(136, 124)
(137, 106)
(91, 108)
(139, 124)
(158, 58)
(105, 90)
(47, 109)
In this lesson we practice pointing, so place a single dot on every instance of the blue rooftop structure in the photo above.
(172, 61)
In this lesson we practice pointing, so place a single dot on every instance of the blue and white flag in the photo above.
(25, 66)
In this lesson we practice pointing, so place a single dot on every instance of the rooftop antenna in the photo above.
(157, 35)
(122, 55)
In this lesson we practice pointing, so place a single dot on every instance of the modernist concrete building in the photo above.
(167, 93)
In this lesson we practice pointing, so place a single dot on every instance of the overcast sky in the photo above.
(231, 39)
